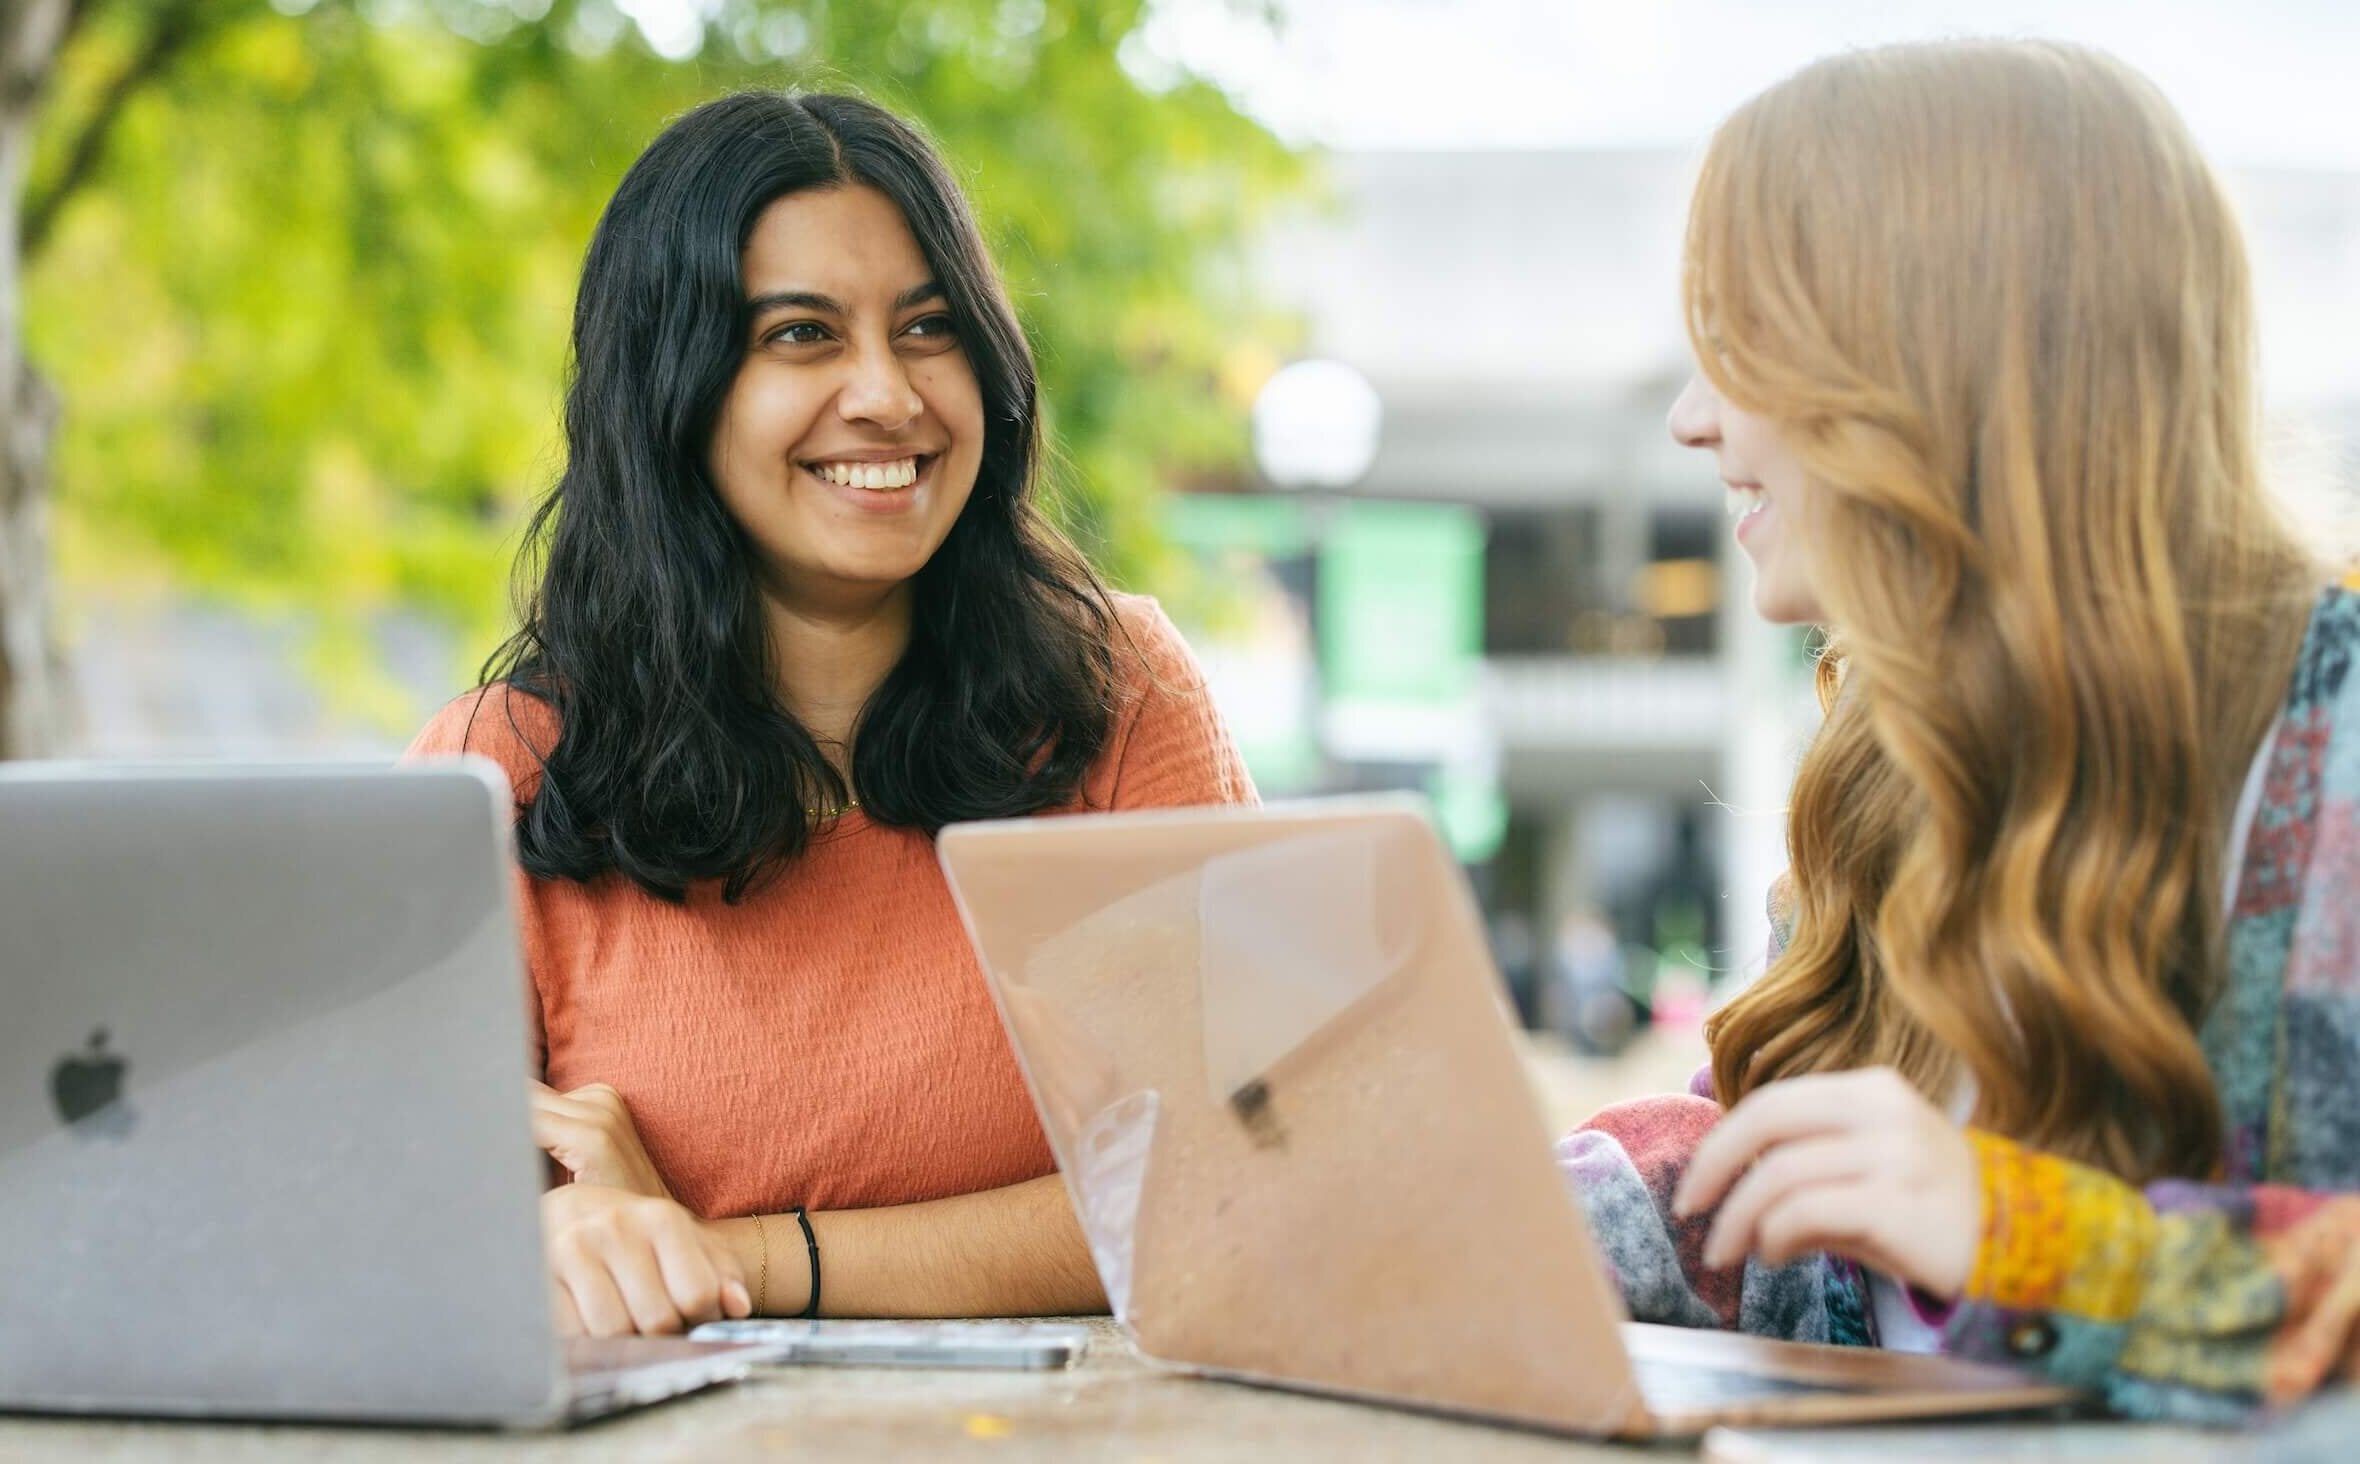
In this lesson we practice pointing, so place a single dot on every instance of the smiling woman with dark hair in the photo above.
(797, 611)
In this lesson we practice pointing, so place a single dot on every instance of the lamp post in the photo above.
(1397, 602)
(1315, 427)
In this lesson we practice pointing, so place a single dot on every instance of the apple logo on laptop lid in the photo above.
(87, 1087)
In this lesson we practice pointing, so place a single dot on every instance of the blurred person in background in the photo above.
(2054, 1056)
(1588, 996)
(796, 611)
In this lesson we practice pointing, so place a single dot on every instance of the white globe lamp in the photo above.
(1316, 425)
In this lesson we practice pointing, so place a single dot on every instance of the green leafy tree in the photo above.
(303, 280)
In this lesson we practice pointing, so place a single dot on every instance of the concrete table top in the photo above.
(1111, 1406)
(1114, 1407)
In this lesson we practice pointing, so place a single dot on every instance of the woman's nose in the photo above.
(880, 392)
(1696, 414)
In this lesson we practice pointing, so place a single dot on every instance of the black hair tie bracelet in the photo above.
(811, 1244)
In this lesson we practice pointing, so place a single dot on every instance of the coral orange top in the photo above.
(829, 1041)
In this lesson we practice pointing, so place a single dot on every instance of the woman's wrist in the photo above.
(779, 1281)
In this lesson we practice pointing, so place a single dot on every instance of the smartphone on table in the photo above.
(1018, 1345)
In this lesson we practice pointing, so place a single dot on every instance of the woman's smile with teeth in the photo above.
(877, 477)
(1745, 500)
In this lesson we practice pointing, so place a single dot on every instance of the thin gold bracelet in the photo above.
(762, 1285)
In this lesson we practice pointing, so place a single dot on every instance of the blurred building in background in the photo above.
(1517, 315)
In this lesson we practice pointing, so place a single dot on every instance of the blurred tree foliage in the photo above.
(302, 272)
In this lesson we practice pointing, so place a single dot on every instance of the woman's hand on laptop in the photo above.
(625, 1263)
(589, 1131)
(1858, 1164)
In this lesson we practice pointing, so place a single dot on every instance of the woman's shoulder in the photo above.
(2323, 689)
(2337, 613)
(1169, 747)
(1150, 652)
(504, 723)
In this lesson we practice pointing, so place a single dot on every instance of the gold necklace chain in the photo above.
(849, 805)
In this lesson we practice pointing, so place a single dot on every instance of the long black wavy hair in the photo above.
(675, 760)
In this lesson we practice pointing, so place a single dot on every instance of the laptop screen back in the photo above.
(1271, 1056)
(263, 1142)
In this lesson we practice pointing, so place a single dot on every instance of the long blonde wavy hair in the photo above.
(1997, 305)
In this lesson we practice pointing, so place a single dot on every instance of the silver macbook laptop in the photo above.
(1271, 1052)
(264, 1145)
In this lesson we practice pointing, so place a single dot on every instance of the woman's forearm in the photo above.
(1017, 1251)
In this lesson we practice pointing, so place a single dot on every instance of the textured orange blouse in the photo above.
(829, 1041)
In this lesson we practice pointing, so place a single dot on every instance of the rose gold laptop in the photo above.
(1273, 1058)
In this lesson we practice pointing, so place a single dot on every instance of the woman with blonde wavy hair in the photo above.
(2054, 1059)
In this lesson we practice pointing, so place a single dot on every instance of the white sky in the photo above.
(2262, 82)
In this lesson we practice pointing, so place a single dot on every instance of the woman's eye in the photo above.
(938, 326)
(800, 333)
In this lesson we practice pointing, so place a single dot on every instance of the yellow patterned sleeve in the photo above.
(2187, 1301)
(2058, 1236)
